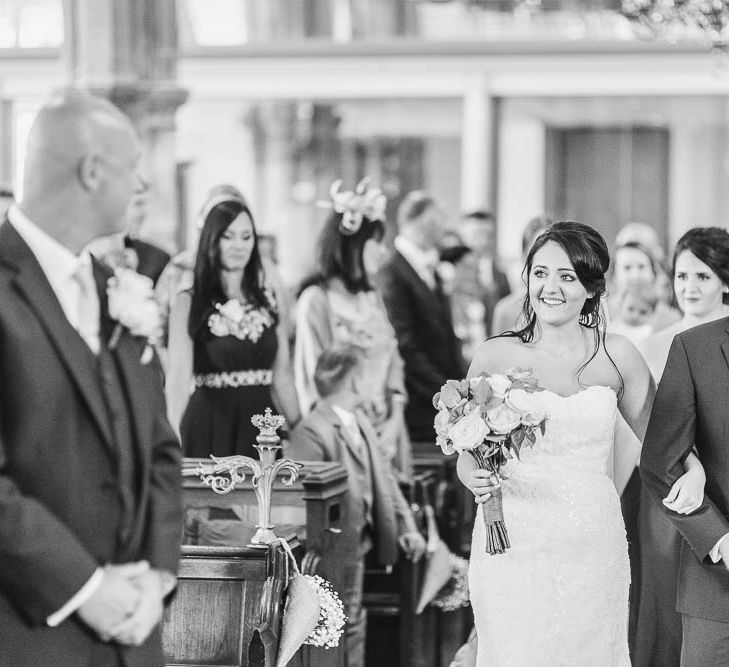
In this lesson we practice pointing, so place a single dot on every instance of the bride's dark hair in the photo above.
(590, 258)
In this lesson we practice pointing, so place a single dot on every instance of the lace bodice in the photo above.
(578, 436)
(559, 595)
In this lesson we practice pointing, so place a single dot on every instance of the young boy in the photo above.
(375, 513)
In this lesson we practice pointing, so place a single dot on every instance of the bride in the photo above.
(559, 595)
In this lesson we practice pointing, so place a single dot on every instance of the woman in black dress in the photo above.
(226, 343)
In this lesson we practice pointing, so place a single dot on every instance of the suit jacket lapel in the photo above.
(725, 346)
(33, 286)
(127, 354)
(431, 297)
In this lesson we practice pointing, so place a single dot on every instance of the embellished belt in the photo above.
(249, 378)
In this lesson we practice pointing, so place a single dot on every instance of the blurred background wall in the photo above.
(557, 107)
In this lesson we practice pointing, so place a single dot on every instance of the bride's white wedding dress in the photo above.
(559, 595)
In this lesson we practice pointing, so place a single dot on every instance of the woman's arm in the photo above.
(283, 380)
(313, 335)
(639, 389)
(179, 361)
(687, 492)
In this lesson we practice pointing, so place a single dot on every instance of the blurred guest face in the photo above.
(236, 244)
(634, 311)
(466, 274)
(632, 266)
(556, 294)
(480, 235)
(698, 289)
(433, 224)
(373, 255)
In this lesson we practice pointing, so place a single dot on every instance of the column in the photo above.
(126, 50)
(477, 146)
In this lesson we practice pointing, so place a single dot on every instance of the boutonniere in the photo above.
(234, 319)
(133, 306)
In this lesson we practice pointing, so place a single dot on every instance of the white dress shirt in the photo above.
(59, 265)
(424, 262)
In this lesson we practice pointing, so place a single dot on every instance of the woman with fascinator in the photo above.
(339, 305)
(226, 340)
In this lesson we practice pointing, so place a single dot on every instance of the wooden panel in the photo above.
(212, 637)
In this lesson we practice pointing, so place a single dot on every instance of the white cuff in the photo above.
(714, 553)
(86, 591)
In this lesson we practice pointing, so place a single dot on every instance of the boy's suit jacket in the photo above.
(60, 502)
(428, 345)
(321, 436)
(692, 408)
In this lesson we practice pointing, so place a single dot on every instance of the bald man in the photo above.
(90, 515)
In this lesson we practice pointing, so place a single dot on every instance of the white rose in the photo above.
(528, 404)
(468, 432)
(500, 384)
(132, 303)
(441, 422)
(502, 419)
(232, 310)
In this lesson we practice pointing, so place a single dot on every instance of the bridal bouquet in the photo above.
(492, 417)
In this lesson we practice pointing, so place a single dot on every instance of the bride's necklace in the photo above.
(565, 352)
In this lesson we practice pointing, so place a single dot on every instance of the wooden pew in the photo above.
(429, 639)
(308, 512)
(227, 608)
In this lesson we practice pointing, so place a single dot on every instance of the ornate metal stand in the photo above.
(226, 472)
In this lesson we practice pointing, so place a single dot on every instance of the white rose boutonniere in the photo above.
(133, 306)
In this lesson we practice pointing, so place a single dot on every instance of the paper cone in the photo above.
(301, 614)
(438, 570)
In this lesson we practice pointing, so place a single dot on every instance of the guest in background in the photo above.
(89, 466)
(179, 274)
(634, 264)
(375, 515)
(225, 334)
(339, 305)
(459, 271)
(637, 263)
(420, 312)
(701, 283)
(478, 230)
(127, 249)
(634, 306)
(508, 312)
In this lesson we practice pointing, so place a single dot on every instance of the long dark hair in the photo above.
(207, 289)
(341, 255)
(590, 258)
(711, 246)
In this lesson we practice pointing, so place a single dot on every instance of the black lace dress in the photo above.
(232, 363)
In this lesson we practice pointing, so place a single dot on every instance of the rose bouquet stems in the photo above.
(492, 417)
(497, 538)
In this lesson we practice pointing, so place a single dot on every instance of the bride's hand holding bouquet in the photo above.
(491, 417)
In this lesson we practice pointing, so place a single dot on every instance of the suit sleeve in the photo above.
(164, 517)
(42, 564)
(306, 444)
(668, 441)
(422, 373)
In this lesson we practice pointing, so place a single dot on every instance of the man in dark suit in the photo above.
(420, 312)
(375, 515)
(692, 410)
(90, 512)
(478, 229)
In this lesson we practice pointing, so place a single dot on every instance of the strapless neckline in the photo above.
(592, 387)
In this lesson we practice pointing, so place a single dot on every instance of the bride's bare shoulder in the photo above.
(494, 354)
